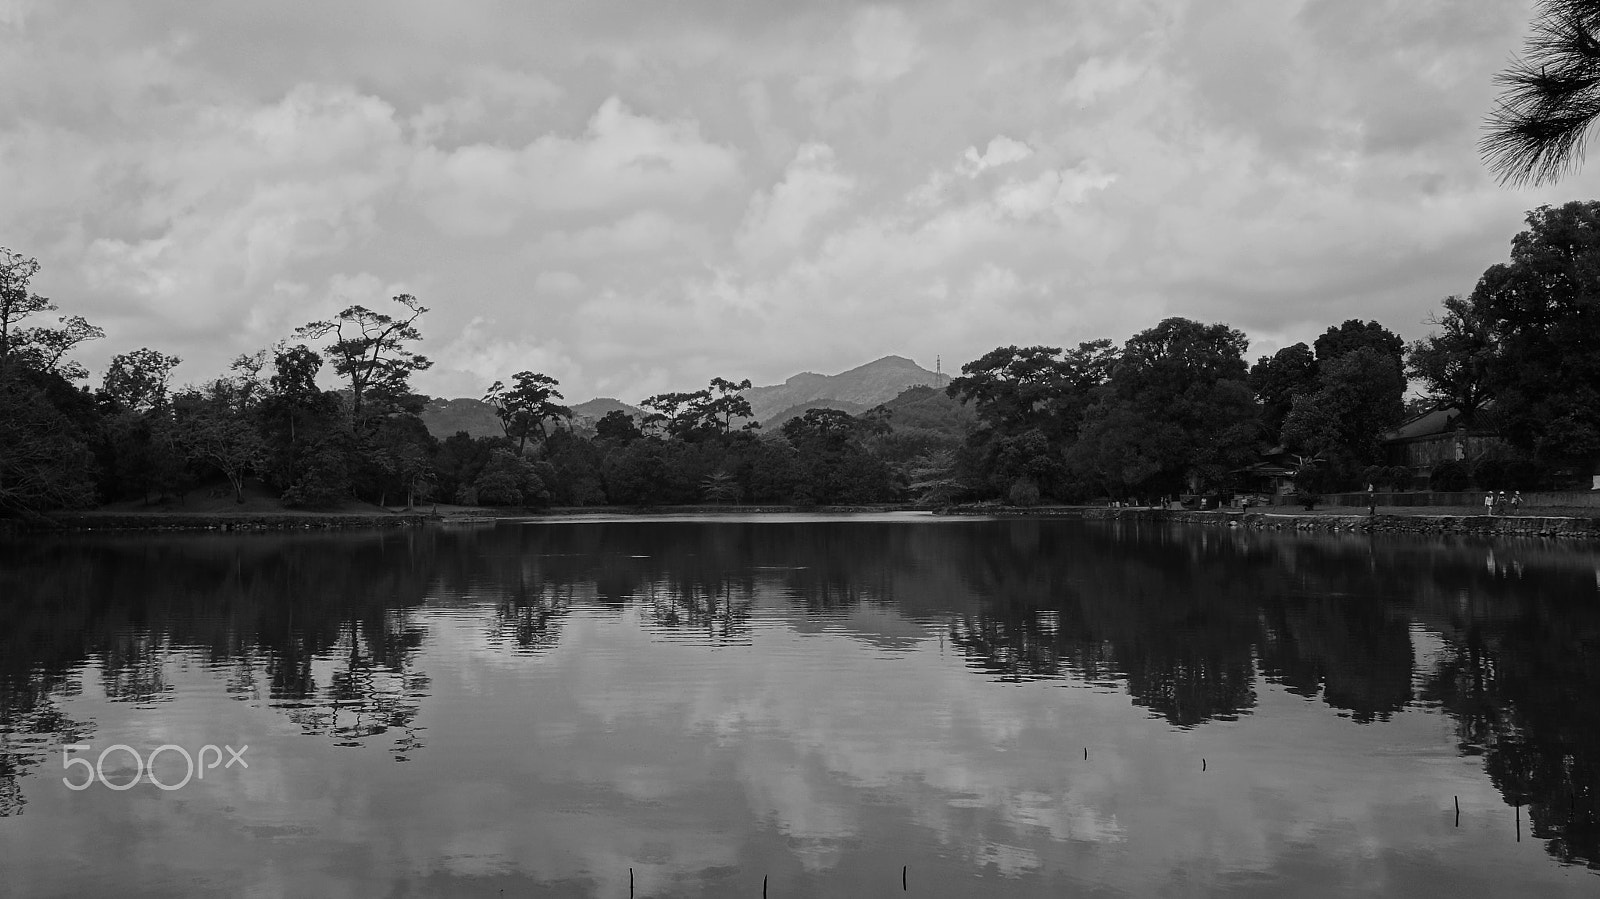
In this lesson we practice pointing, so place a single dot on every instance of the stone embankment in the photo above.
(1488, 525)
(243, 521)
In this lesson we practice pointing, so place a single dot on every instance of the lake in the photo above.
(867, 705)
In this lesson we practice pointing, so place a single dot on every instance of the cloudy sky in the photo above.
(634, 197)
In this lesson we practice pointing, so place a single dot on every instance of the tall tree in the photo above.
(372, 351)
(295, 415)
(138, 380)
(1455, 362)
(673, 415)
(617, 427)
(1016, 389)
(726, 402)
(1543, 310)
(44, 463)
(39, 348)
(1550, 96)
(17, 301)
(1355, 334)
(1278, 380)
(215, 428)
(526, 405)
(1357, 399)
(1186, 382)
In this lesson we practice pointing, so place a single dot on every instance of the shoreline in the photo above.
(92, 520)
(1579, 527)
(284, 520)
(1564, 526)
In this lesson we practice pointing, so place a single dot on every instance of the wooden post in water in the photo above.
(1202, 764)
(902, 878)
(630, 883)
(1458, 811)
(1519, 822)
(1086, 753)
(763, 886)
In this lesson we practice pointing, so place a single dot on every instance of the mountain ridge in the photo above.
(866, 385)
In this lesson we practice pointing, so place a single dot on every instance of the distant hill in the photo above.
(924, 407)
(596, 409)
(865, 386)
(446, 417)
(853, 391)
(774, 422)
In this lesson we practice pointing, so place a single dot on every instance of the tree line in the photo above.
(1174, 409)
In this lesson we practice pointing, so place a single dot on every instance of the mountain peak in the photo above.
(864, 386)
(859, 388)
(890, 361)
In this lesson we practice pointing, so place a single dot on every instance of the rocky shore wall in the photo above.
(1487, 525)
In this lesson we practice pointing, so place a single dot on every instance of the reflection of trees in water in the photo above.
(32, 726)
(261, 610)
(693, 581)
(1189, 620)
(132, 669)
(719, 616)
(1028, 647)
(1353, 650)
(372, 687)
(1520, 683)
(1186, 621)
(531, 616)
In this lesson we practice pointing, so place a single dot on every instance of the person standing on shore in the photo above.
(1372, 500)
(1516, 502)
(1488, 503)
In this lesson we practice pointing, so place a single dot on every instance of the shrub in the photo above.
(508, 480)
(1491, 473)
(325, 481)
(1450, 476)
(1023, 492)
(1398, 477)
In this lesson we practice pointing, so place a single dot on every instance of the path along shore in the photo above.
(1281, 518)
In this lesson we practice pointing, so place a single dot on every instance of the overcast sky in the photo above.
(634, 197)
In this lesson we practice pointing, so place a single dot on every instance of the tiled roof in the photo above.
(1428, 424)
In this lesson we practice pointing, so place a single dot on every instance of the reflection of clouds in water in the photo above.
(1012, 861)
(936, 738)
(1063, 820)
(994, 772)
(781, 784)
(613, 747)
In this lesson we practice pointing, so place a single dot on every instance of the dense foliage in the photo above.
(1175, 409)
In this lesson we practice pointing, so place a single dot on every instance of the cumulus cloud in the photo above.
(483, 353)
(1001, 151)
(228, 206)
(779, 220)
(646, 200)
(622, 161)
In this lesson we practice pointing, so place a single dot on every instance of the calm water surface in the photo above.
(536, 708)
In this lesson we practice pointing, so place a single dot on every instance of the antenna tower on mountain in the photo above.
(938, 371)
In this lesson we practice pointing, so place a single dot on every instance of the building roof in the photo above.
(1428, 424)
